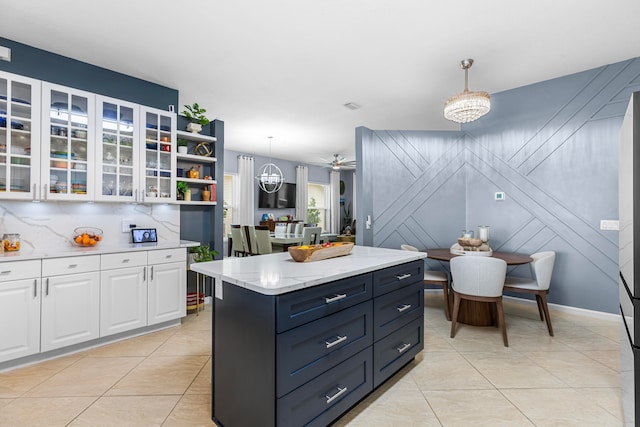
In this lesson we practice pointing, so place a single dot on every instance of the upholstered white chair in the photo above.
(439, 278)
(538, 285)
(263, 239)
(478, 278)
(237, 247)
(311, 235)
(281, 228)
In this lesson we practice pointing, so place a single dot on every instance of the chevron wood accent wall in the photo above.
(552, 147)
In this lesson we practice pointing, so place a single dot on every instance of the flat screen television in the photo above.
(285, 197)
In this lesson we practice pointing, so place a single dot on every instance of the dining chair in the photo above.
(291, 228)
(439, 278)
(281, 228)
(237, 239)
(250, 239)
(311, 235)
(478, 278)
(263, 240)
(299, 228)
(538, 285)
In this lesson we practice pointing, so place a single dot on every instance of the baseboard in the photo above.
(560, 308)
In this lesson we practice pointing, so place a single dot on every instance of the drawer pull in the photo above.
(403, 347)
(35, 288)
(336, 297)
(72, 265)
(336, 341)
(6, 272)
(340, 392)
(403, 308)
(403, 276)
(168, 256)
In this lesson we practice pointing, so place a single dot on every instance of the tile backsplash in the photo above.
(51, 224)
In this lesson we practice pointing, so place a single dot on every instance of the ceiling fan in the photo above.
(338, 162)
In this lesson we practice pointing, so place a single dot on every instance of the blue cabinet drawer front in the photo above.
(392, 352)
(395, 309)
(300, 307)
(397, 277)
(319, 402)
(309, 350)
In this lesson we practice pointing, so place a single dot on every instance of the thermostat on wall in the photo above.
(499, 196)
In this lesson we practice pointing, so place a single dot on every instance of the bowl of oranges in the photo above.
(87, 236)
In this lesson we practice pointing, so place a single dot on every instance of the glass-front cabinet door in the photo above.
(19, 137)
(157, 157)
(67, 148)
(118, 151)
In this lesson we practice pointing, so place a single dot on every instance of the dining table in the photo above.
(285, 240)
(477, 313)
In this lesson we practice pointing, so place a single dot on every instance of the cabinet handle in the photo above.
(126, 260)
(6, 272)
(47, 289)
(403, 276)
(336, 297)
(340, 392)
(72, 265)
(168, 256)
(403, 308)
(152, 273)
(46, 191)
(35, 188)
(35, 288)
(135, 198)
(336, 341)
(403, 347)
(144, 274)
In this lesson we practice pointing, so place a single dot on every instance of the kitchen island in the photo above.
(301, 343)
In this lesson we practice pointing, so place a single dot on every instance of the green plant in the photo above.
(183, 142)
(195, 114)
(202, 253)
(182, 187)
(313, 215)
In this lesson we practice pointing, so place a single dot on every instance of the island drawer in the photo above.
(319, 402)
(309, 350)
(70, 265)
(300, 307)
(395, 350)
(397, 277)
(395, 309)
(161, 256)
(18, 270)
(125, 259)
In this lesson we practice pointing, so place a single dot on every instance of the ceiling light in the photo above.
(270, 176)
(467, 106)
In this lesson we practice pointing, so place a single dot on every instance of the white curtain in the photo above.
(302, 192)
(334, 202)
(353, 200)
(243, 214)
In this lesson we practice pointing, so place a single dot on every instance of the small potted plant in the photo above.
(201, 254)
(183, 146)
(196, 117)
(182, 189)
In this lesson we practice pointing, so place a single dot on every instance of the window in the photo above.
(318, 205)
(228, 204)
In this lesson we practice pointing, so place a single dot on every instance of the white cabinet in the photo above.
(167, 296)
(19, 309)
(205, 165)
(158, 163)
(19, 137)
(70, 301)
(67, 152)
(123, 292)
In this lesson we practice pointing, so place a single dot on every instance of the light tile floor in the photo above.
(164, 379)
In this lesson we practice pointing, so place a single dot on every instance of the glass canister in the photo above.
(483, 233)
(11, 242)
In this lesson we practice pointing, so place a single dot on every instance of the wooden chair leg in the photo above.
(454, 316)
(539, 302)
(447, 309)
(502, 322)
(543, 299)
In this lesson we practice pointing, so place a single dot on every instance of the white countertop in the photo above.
(99, 249)
(278, 273)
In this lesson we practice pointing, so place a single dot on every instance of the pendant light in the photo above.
(270, 176)
(467, 106)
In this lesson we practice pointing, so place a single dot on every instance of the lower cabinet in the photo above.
(306, 357)
(70, 302)
(19, 310)
(167, 286)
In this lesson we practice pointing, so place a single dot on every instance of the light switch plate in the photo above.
(499, 196)
(125, 224)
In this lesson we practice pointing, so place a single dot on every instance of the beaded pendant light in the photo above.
(467, 106)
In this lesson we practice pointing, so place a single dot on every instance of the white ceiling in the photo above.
(284, 68)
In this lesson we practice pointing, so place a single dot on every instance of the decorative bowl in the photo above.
(310, 253)
(87, 236)
(469, 242)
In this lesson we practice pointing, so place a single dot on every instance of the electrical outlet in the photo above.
(609, 224)
(125, 224)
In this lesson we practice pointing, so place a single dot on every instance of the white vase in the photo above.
(187, 196)
(194, 127)
(182, 149)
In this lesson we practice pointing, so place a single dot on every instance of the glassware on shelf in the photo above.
(483, 233)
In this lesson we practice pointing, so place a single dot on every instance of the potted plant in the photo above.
(196, 117)
(183, 146)
(201, 254)
(182, 188)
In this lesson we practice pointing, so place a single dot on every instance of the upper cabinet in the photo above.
(19, 137)
(158, 161)
(67, 150)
